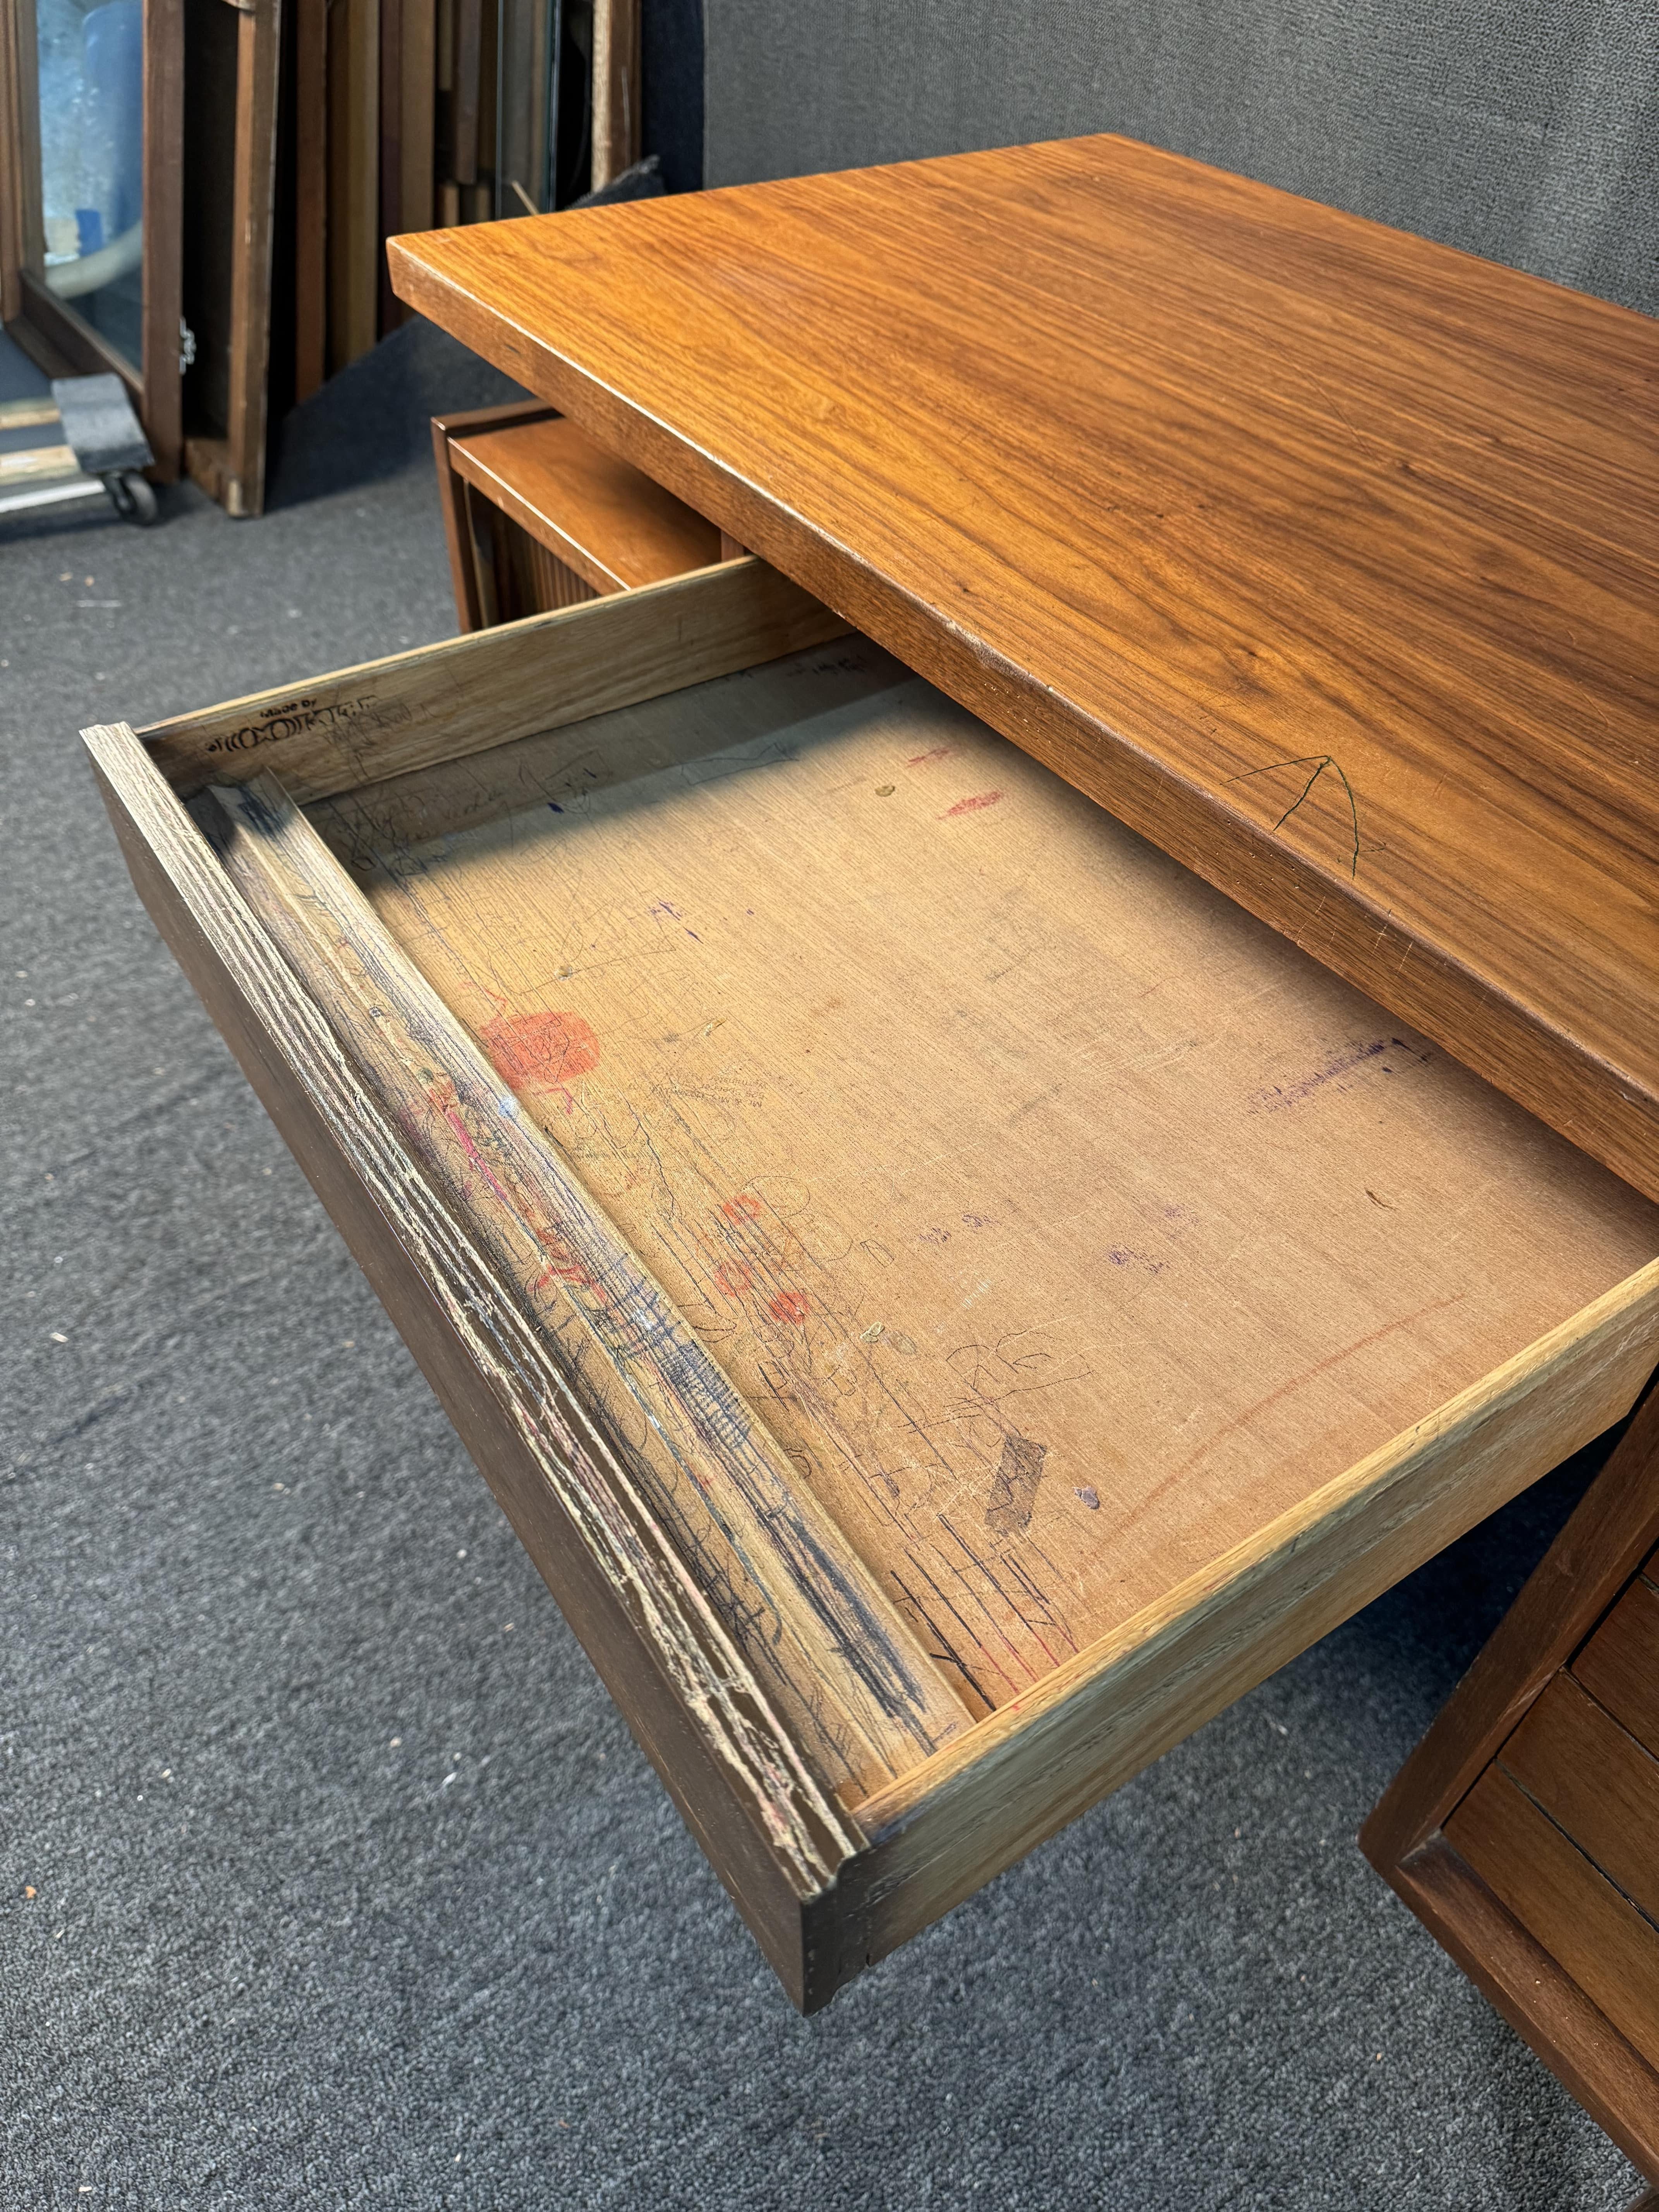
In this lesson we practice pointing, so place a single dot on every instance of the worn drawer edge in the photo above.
(775, 1832)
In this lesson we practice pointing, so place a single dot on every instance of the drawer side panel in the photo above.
(769, 1825)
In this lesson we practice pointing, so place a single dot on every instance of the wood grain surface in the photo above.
(442, 701)
(1539, 1998)
(1070, 1227)
(1566, 1901)
(31, 464)
(859, 1687)
(1175, 1303)
(1521, 1830)
(613, 525)
(1610, 1530)
(259, 68)
(765, 1815)
(1620, 1665)
(1321, 555)
(160, 409)
(1596, 1783)
(616, 109)
(454, 498)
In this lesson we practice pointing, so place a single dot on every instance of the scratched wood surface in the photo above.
(757, 1799)
(1321, 555)
(1069, 1227)
(859, 1689)
(442, 701)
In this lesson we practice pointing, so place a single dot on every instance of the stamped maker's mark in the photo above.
(296, 716)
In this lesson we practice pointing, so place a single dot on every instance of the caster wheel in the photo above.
(134, 498)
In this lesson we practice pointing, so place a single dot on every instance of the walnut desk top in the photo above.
(1323, 555)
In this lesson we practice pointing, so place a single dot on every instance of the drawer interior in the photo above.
(1066, 1226)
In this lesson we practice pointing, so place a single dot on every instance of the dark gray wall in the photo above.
(1524, 129)
(670, 41)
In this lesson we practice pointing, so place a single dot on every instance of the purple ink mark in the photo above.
(1275, 1099)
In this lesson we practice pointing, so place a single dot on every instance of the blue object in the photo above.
(112, 118)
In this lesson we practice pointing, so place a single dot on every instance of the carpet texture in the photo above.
(350, 1887)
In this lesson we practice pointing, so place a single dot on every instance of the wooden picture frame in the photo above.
(208, 166)
(49, 329)
(234, 51)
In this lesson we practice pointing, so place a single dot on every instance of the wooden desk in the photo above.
(947, 1299)
(539, 517)
(1324, 556)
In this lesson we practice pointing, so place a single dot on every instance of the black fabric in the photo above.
(1526, 133)
(375, 416)
(348, 1887)
(642, 181)
(671, 70)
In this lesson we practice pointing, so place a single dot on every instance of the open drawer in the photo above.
(947, 1300)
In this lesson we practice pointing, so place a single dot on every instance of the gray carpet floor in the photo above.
(350, 1887)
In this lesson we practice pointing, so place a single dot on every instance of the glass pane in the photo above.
(92, 140)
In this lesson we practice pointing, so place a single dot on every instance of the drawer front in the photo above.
(1599, 1785)
(1620, 1665)
(1610, 1950)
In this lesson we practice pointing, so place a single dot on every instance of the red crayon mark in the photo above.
(538, 1052)
(563, 1267)
(971, 805)
(742, 1207)
(733, 1279)
(790, 1305)
(921, 759)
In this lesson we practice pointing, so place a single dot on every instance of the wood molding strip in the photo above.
(259, 59)
(161, 376)
(362, 725)
(616, 90)
(1542, 2002)
(84, 351)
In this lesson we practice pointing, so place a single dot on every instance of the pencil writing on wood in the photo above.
(1319, 762)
